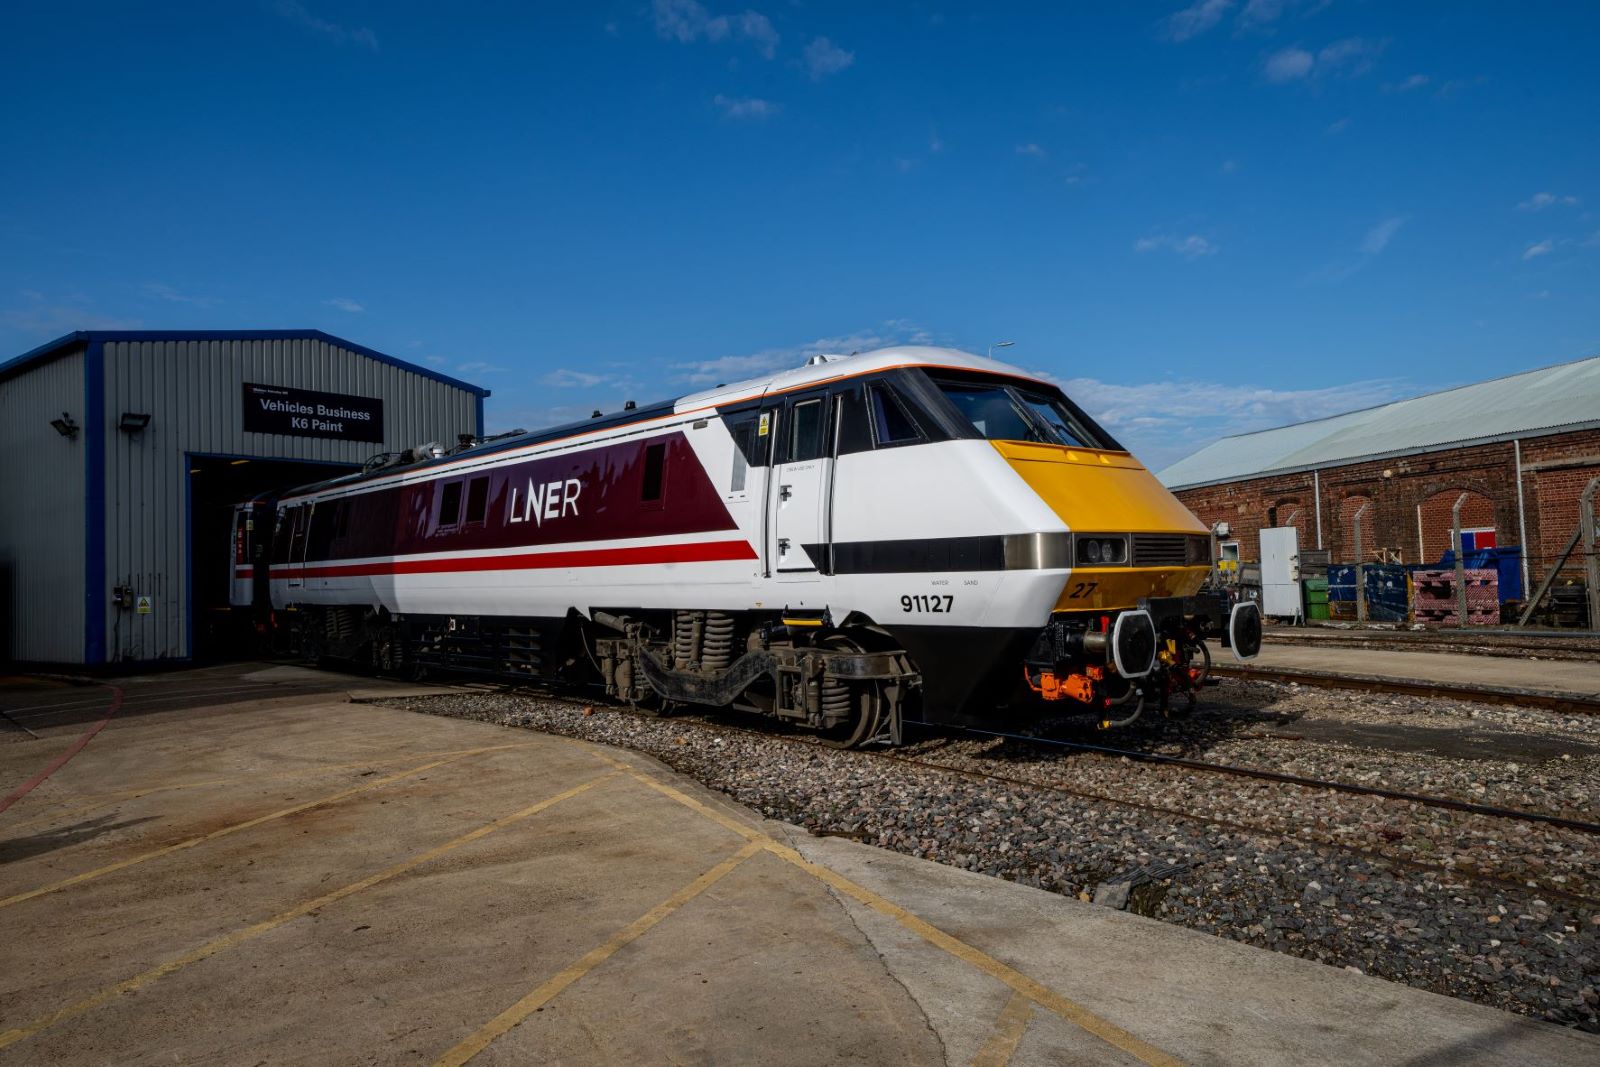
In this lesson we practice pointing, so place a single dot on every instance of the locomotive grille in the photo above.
(1168, 550)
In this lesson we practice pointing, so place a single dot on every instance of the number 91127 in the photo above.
(938, 604)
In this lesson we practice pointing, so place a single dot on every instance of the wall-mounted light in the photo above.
(133, 422)
(64, 425)
(237, 462)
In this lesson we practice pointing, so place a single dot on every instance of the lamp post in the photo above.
(999, 344)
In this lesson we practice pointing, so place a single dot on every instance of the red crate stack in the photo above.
(1433, 601)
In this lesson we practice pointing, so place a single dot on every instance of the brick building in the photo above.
(1522, 448)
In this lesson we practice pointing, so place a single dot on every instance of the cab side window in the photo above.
(891, 422)
(805, 437)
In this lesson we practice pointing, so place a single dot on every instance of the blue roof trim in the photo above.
(70, 341)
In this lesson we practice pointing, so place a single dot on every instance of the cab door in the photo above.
(297, 546)
(802, 482)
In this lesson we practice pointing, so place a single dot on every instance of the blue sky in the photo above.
(1201, 219)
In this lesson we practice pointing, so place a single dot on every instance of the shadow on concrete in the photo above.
(21, 848)
(1479, 1048)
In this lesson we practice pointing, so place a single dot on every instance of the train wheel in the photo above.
(863, 700)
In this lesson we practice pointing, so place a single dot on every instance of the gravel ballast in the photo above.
(1499, 912)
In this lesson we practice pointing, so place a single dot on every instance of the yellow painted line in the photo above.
(131, 861)
(1008, 1030)
(227, 941)
(99, 800)
(1035, 991)
(551, 989)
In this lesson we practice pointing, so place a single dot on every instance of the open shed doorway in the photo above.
(216, 484)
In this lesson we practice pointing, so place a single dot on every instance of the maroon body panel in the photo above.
(589, 494)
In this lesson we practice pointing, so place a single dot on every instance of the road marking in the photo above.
(1035, 991)
(1009, 1027)
(508, 1019)
(72, 750)
(100, 800)
(131, 861)
(227, 941)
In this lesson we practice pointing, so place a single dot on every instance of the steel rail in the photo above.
(1296, 780)
(1573, 704)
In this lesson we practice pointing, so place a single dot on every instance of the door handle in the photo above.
(785, 492)
(783, 545)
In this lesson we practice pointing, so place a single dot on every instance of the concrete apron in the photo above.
(545, 900)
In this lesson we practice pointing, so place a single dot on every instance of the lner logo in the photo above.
(547, 500)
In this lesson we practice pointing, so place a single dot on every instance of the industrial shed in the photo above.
(1520, 449)
(125, 450)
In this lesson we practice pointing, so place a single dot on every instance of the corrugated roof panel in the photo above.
(1536, 401)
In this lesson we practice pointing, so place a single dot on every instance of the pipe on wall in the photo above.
(1522, 518)
(1316, 490)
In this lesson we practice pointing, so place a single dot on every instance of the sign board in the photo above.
(307, 413)
(142, 606)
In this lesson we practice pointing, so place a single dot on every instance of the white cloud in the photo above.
(1416, 81)
(1540, 201)
(1258, 14)
(935, 142)
(687, 21)
(1196, 19)
(1288, 64)
(823, 58)
(478, 366)
(159, 291)
(1191, 247)
(1229, 166)
(296, 12)
(565, 378)
(1030, 149)
(745, 107)
(435, 361)
(1543, 248)
(726, 369)
(1161, 422)
(1338, 126)
(1378, 238)
(344, 303)
(1350, 56)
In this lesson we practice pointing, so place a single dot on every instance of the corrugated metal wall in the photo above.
(41, 513)
(192, 391)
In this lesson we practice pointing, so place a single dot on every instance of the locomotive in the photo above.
(913, 534)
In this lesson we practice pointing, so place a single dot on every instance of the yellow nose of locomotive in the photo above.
(1110, 498)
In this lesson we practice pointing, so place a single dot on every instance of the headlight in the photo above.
(1097, 551)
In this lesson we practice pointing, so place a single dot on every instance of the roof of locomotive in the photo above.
(819, 369)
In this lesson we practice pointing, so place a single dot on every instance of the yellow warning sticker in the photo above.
(766, 424)
(143, 607)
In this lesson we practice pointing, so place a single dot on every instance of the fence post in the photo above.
(1591, 563)
(1461, 563)
(1361, 583)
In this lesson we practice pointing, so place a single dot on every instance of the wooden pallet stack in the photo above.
(1434, 598)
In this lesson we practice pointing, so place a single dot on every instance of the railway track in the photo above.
(1528, 698)
(776, 732)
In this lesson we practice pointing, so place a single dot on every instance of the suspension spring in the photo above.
(716, 651)
(686, 639)
(835, 700)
